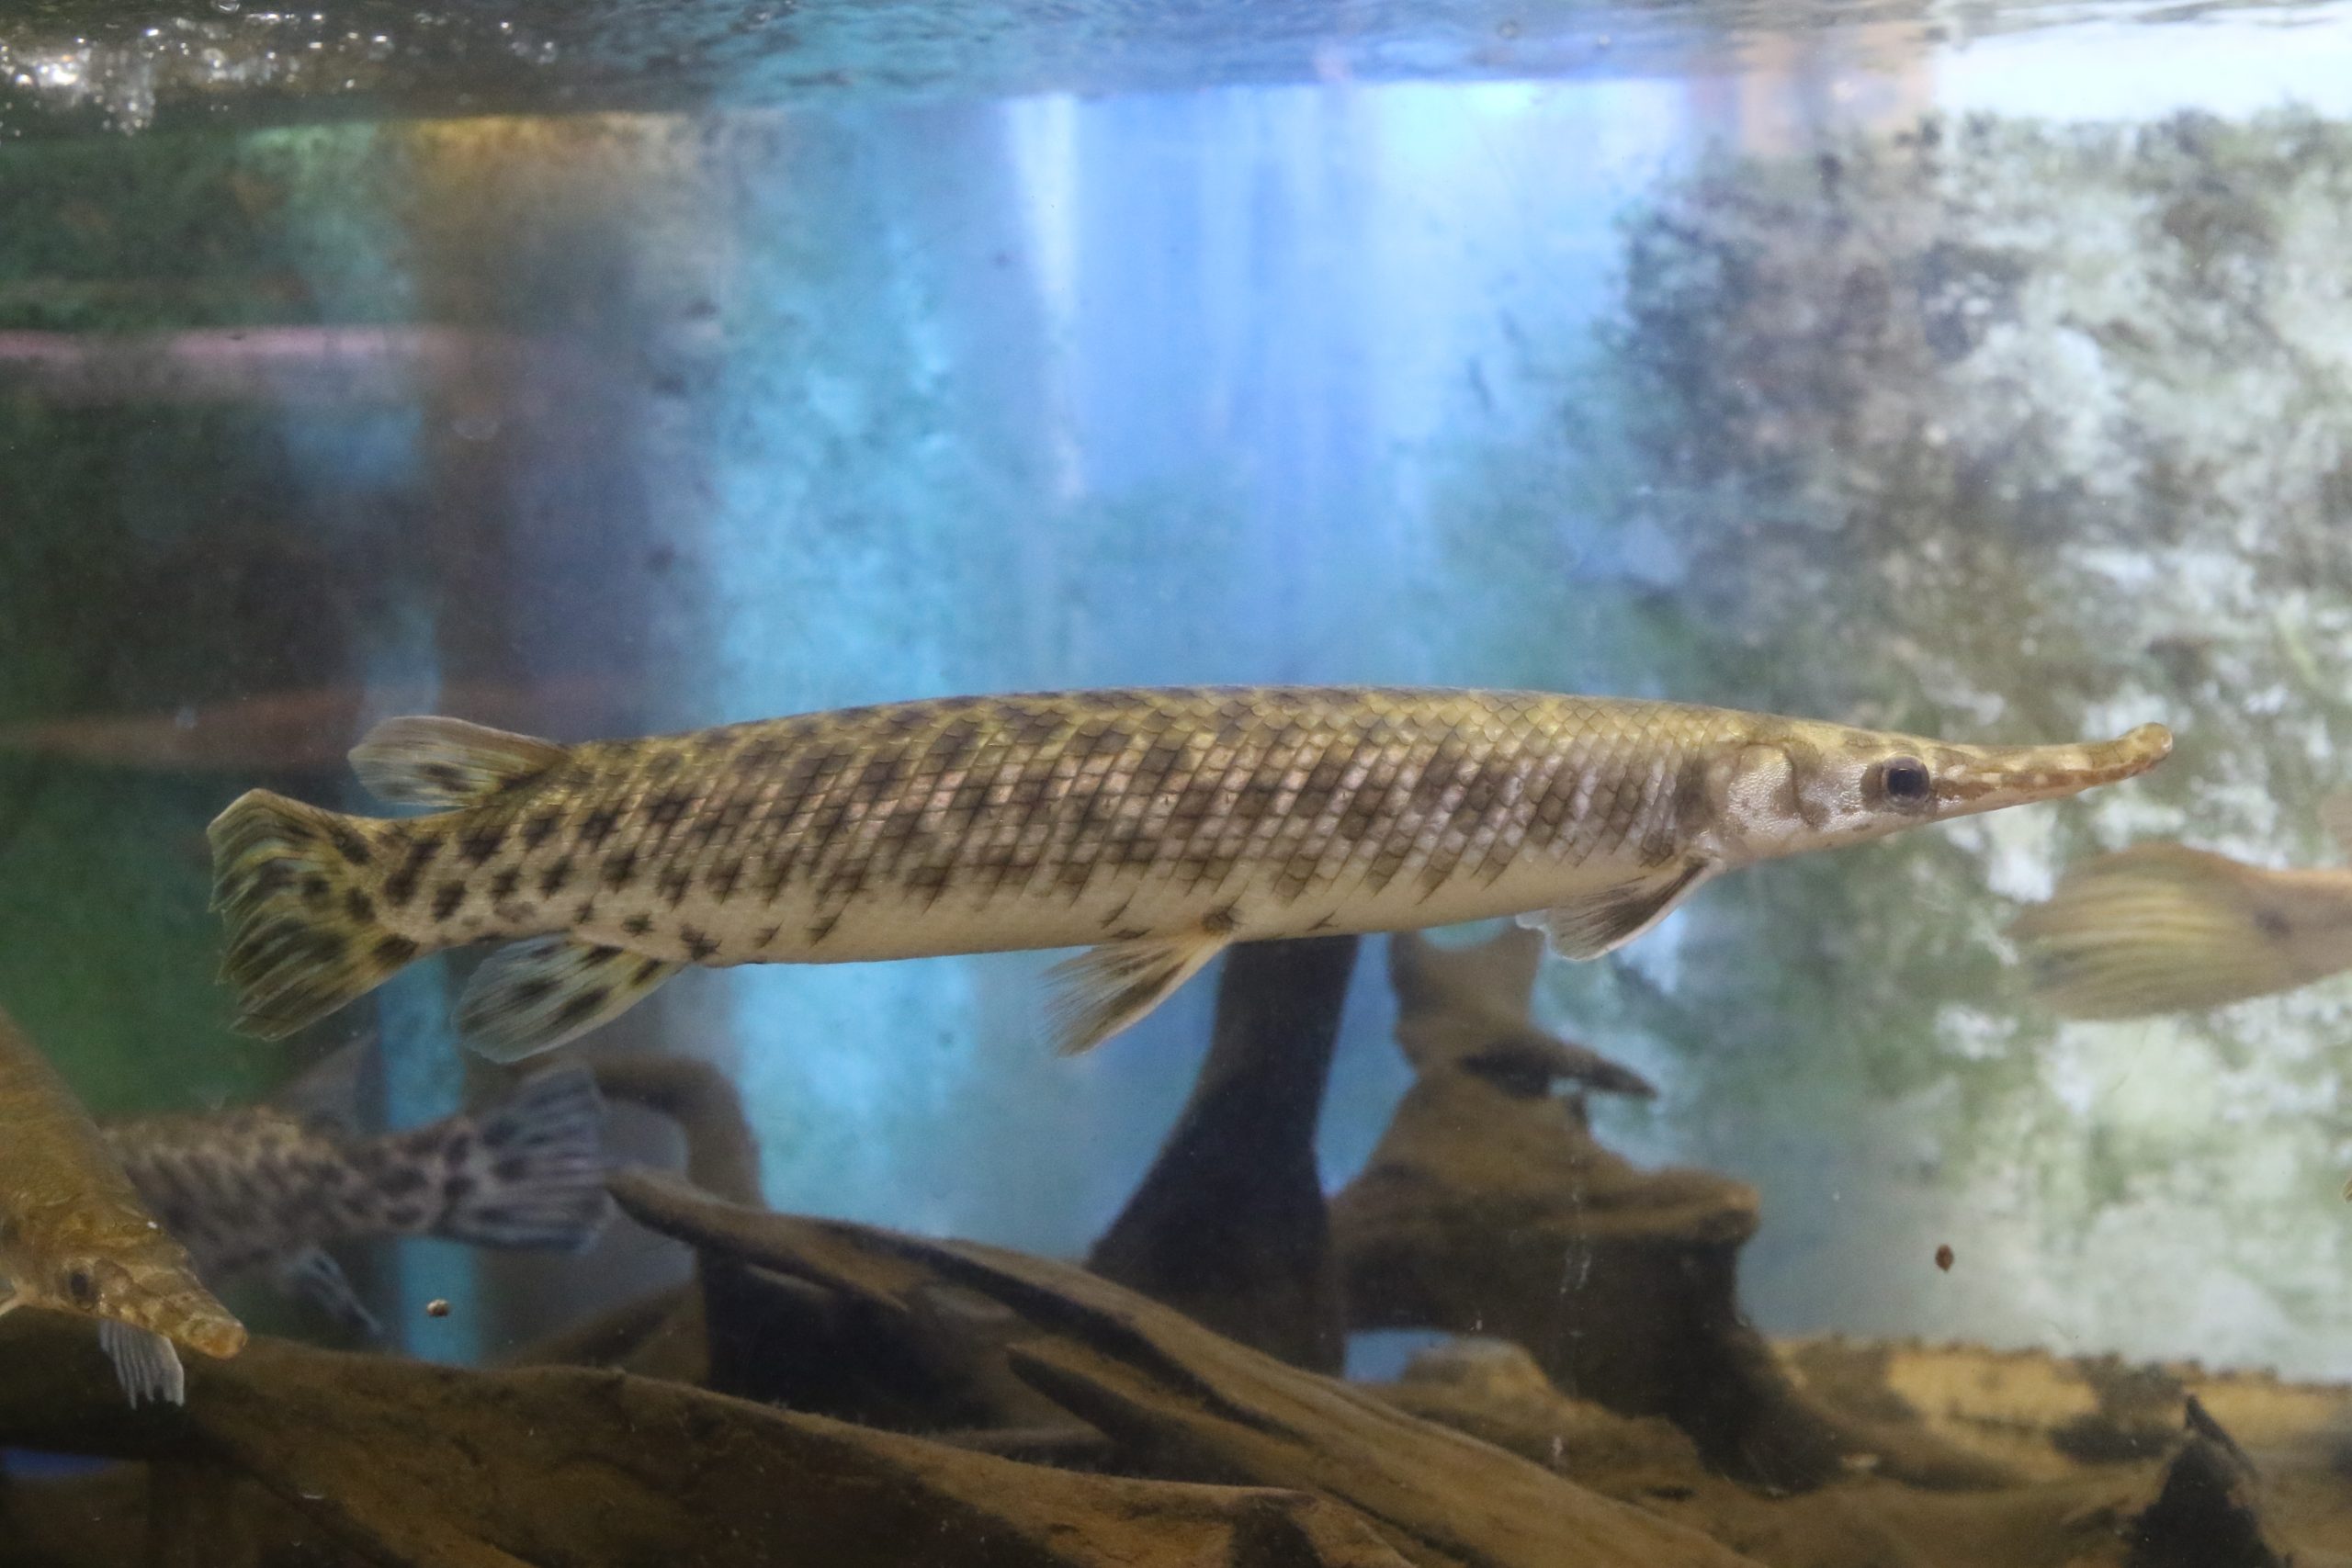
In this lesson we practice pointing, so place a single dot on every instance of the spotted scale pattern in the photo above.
(247, 1186)
(1055, 819)
(257, 1186)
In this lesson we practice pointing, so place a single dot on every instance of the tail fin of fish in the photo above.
(527, 1170)
(303, 935)
(2158, 928)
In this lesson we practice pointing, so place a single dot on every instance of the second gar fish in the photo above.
(2163, 927)
(266, 1188)
(74, 1236)
(1152, 827)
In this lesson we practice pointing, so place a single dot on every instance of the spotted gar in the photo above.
(2163, 928)
(270, 1187)
(75, 1238)
(1150, 826)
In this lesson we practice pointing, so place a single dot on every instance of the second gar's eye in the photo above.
(1907, 781)
(81, 1288)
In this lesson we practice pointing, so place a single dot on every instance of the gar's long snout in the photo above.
(1985, 778)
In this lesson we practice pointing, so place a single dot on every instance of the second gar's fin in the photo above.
(533, 995)
(2158, 928)
(2336, 816)
(527, 1171)
(327, 1093)
(320, 1279)
(425, 761)
(144, 1363)
(1610, 917)
(1105, 988)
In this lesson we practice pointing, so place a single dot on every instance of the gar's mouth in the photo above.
(1977, 777)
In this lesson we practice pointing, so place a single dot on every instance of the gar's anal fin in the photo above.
(1610, 917)
(1107, 988)
(326, 1094)
(533, 995)
(318, 1279)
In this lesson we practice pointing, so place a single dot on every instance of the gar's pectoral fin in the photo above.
(1105, 988)
(533, 995)
(144, 1363)
(1609, 918)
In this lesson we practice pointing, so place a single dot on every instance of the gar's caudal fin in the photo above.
(2159, 928)
(528, 1171)
(303, 936)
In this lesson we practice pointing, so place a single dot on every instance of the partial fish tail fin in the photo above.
(527, 1170)
(304, 936)
(2158, 929)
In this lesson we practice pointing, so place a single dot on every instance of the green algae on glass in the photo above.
(1992, 429)
(157, 554)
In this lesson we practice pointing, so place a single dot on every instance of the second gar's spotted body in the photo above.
(1152, 826)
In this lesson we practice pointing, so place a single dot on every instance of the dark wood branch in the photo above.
(1181, 1401)
(1228, 1226)
(1489, 1209)
(418, 1466)
(722, 1157)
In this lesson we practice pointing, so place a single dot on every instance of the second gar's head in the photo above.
(1800, 785)
(149, 1284)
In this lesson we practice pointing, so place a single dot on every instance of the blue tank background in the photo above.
(769, 410)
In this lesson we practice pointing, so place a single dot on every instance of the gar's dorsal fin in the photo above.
(422, 760)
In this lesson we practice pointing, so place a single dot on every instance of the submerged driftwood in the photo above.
(1469, 1009)
(722, 1155)
(1229, 1226)
(2198, 1504)
(1158, 1442)
(1173, 1399)
(1236, 1458)
(661, 1335)
(1489, 1209)
(402, 1464)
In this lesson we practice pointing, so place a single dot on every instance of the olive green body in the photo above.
(1151, 825)
(74, 1233)
(1047, 821)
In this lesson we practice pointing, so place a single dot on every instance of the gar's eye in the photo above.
(81, 1288)
(1905, 781)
